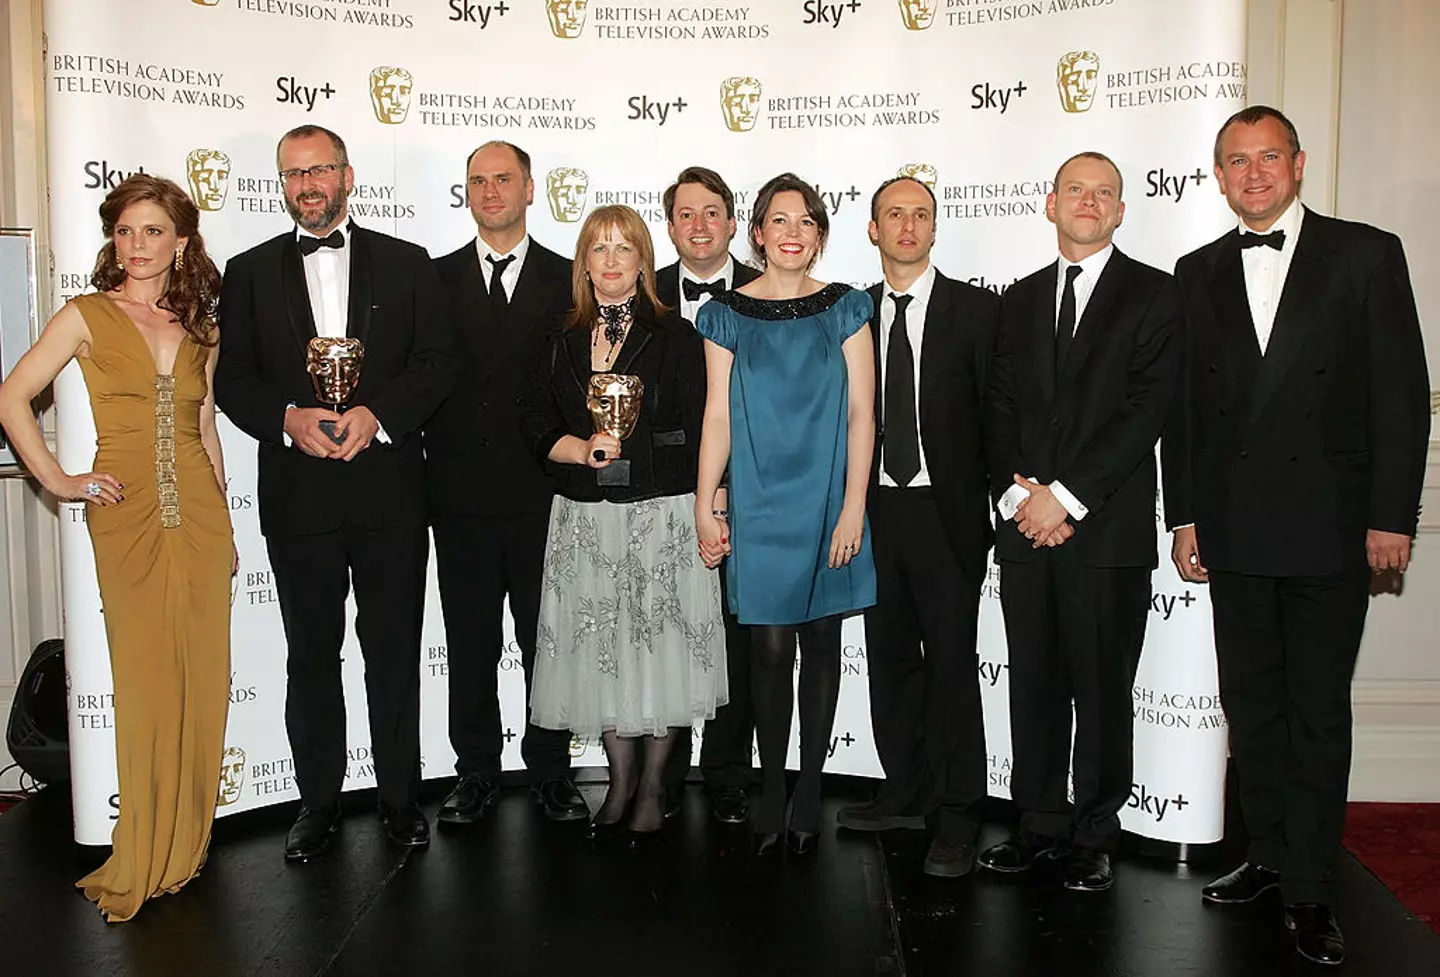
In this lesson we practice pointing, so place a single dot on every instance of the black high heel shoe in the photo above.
(801, 842)
(767, 843)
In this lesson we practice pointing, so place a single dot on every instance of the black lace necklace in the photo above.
(616, 318)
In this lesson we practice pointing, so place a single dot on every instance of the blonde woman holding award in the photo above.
(158, 519)
(630, 642)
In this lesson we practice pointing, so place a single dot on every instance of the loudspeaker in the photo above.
(38, 736)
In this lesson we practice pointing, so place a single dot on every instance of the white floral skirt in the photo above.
(630, 635)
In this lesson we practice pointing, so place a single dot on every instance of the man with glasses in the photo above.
(342, 495)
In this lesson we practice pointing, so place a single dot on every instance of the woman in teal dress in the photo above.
(789, 405)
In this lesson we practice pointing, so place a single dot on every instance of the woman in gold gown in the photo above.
(158, 520)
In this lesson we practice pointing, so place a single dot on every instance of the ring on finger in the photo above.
(92, 489)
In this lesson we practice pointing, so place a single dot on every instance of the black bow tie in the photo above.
(309, 244)
(1275, 239)
(693, 290)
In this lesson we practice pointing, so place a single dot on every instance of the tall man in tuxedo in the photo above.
(489, 498)
(1081, 383)
(1293, 470)
(929, 513)
(349, 510)
(700, 214)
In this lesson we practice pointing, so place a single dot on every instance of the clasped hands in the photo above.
(1040, 517)
(356, 429)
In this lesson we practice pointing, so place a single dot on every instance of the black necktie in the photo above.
(497, 272)
(1275, 239)
(693, 290)
(1065, 325)
(902, 438)
(310, 244)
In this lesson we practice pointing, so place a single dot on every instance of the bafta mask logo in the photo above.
(919, 15)
(565, 187)
(567, 17)
(578, 745)
(1077, 76)
(390, 94)
(232, 776)
(740, 101)
(923, 172)
(208, 171)
(206, 3)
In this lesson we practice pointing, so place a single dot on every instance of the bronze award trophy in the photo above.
(614, 404)
(334, 367)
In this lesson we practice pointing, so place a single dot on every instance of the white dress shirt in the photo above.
(511, 274)
(1091, 267)
(1266, 269)
(689, 310)
(919, 292)
(327, 280)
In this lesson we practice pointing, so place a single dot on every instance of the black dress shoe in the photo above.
(644, 839)
(1317, 935)
(1088, 870)
(949, 859)
(767, 843)
(310, 834)
(405, 827)
(605, 833)
(1019, 854)
(467, 803)
(559, 799)
(877, 816)
(673, 797)
(730, 805)
(1246, 884)
(801, 842)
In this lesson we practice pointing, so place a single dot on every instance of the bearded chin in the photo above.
(321, 220)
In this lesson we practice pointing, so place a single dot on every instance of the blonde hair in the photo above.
(632, 228)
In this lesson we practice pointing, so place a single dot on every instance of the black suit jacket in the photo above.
(1283, 461)
(666, 353)
(960, 324)
(667, 282)
(476, 462)
(397, 310)
(1095, 430)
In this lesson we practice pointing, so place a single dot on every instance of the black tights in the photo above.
(772, 683)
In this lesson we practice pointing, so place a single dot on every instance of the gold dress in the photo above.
(163, 559)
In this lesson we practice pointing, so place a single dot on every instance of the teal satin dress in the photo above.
(789, 397)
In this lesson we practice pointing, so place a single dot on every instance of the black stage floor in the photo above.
(519, 896)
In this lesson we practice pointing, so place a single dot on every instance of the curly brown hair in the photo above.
(192, 293)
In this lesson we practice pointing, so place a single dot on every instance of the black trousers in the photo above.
(1074, 634)
(313, 577)
(480, 561)
(726, 758)
(924, 671)
(1286, 647)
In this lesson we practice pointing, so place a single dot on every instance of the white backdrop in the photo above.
(983, 98)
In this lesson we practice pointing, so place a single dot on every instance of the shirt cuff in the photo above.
(1011, 500)
(1188, 525)
(283, 436)
(1072, 505)
(380, 434)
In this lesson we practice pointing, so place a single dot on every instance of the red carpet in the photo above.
(1400, 845)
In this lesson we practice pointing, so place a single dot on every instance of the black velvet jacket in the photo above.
(664, 450)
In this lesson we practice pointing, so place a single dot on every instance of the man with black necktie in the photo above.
(700, 214)
(489, 498)
(343, 510)
(929, 514)
(1081, 383)
(1293, 470)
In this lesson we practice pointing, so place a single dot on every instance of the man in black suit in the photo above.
(1081, 383)
(347, 510)
(929, 512)
(1293, 470)
(489, 498)
(700, 212)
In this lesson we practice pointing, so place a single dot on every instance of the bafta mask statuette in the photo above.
(334, 366)
(614, 401)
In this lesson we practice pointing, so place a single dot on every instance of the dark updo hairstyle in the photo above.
(814, 207)
(194, 290)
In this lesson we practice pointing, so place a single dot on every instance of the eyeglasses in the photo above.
(315, 172)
